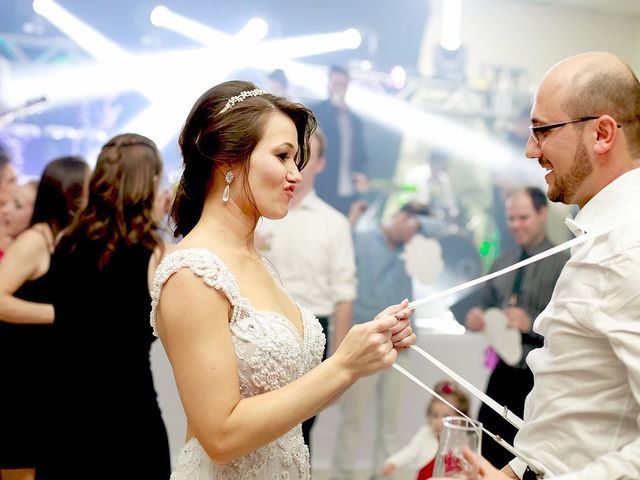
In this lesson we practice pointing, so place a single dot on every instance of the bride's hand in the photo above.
(402, 334)
(368, 347)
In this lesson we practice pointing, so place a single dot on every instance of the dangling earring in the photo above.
(228, 178)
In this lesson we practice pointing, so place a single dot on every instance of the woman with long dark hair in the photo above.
(25, 350)
(108, 422)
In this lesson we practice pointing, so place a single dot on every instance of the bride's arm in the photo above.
(193, 326)
(400, 338)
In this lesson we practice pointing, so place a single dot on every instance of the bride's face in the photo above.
(273, 174)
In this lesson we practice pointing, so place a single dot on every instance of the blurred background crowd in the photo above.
(420, 102)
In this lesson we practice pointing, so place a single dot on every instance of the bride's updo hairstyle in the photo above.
(222, 129)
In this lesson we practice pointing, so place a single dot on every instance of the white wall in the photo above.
(533, 36)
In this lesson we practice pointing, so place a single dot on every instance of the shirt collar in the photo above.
(615, 197)
(573, 226)
(309, 201)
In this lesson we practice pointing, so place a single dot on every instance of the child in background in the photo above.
(421, 450)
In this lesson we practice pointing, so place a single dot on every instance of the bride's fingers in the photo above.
(406, 342)
(383, 323)
(402, 314)
(405, 332)
(401, 325)
(386, 335)
(394, 309)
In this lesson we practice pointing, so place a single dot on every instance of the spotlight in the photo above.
(352, 38)
(254, 31)
(40, 6)
(451, 19)
(365, 65)
(34, 27)
(450, 64)
(398, 77)
(159, 16)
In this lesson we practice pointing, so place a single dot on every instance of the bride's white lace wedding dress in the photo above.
(270, 354)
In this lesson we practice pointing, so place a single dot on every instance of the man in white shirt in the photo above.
(582, 418)
(312, 251)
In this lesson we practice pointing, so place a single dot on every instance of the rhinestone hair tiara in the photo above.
(241, 98)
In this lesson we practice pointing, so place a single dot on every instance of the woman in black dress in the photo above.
(25, 349)
(109, 422)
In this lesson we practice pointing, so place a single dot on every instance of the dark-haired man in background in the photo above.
(522, 295)
(346, 157)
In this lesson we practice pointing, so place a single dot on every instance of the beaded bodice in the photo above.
(270, 354)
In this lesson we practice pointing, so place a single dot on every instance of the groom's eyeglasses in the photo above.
(536, 131)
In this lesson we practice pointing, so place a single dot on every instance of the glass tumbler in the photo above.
(457, 434)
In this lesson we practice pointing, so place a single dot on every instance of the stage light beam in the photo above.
(451, 20)
(254, 31)
(162, 16)
(97, 45)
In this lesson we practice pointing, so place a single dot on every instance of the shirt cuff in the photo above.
(518, 467)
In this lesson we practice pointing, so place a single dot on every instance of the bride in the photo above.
(245, 356)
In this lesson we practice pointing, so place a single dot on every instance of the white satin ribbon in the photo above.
(472, 283)
(503, 411)
(535, 466)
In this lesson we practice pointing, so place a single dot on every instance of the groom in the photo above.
(582, 418)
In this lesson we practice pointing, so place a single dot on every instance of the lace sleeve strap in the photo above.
(204, 264)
